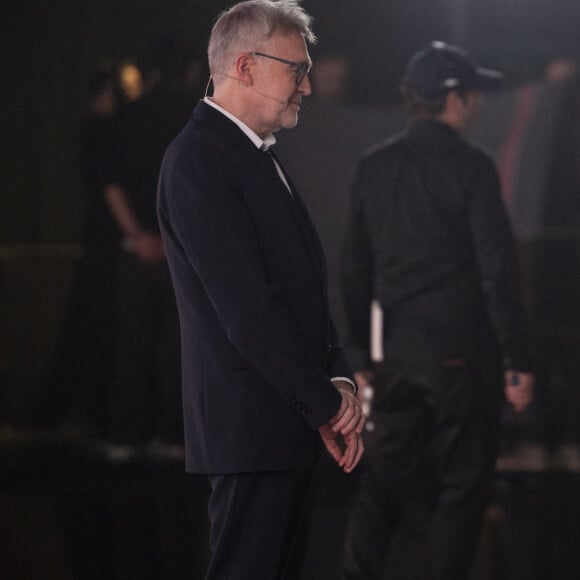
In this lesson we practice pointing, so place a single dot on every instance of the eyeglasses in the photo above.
(300, 68)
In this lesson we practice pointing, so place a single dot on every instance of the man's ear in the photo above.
(243, 67)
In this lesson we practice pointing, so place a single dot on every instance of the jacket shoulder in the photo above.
(200, 149)
(383, 153)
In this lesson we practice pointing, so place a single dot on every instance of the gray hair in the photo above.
(247, 25)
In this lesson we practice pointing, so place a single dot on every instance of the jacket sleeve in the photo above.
(338, 364)
(498, 263)
(213, 226)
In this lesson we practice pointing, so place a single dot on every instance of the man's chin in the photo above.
(291, 122)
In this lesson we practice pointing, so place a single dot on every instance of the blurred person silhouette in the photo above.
(556, 271)
(97, 268)
(145, 403)
(81, 369)
(431, 242)
(331, 78)
(151, 526)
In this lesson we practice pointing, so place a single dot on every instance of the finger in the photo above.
(349, 453)
(356, 446)
(335, 452)
(358, 450)
(359, 454)
(353, 440)
(333, 449)
(340, 413)
(344, 419)
(330, 443)
(353, 423)
(352, 409)
(361, 423)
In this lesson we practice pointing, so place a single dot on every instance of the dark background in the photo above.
(50, 49)
(51, 491)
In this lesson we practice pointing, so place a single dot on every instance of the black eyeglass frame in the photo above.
(301, 68)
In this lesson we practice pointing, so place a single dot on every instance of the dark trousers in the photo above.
(146, 399)
(428, 470)
(81, 371)
(258, 525)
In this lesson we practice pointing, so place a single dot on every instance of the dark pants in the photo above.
(428, 469)
(146, 400)
(97, 337)
(258, 525)
(82, 369)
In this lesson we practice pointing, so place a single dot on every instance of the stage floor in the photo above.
(68, 512)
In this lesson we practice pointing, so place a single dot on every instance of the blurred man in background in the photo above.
(430, 241)
(145, 401)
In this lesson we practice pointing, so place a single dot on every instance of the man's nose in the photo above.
(304, 87)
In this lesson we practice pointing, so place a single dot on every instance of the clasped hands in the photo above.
(347, 425)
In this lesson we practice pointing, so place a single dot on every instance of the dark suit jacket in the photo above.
(258, 344)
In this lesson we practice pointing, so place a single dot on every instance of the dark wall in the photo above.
(50, 52)
(51, 48)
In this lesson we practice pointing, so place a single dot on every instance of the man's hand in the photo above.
(519, 389)
(353, 447)
(346, 425)
(349, 416)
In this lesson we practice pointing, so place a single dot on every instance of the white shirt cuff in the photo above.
(346, 380)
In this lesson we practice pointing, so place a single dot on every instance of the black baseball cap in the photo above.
(440, 68)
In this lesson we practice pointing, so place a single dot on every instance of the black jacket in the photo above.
(430, 240)
(142, 131)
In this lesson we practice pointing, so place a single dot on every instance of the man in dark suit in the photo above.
(264, 378)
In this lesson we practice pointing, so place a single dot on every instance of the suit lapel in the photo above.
(215, 121)
(300, 212)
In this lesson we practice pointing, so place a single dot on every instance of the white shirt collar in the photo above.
(262, 144)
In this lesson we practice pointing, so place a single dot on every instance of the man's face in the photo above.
(275, 83)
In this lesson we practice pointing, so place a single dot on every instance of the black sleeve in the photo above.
(498, 263)
(357, 277)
